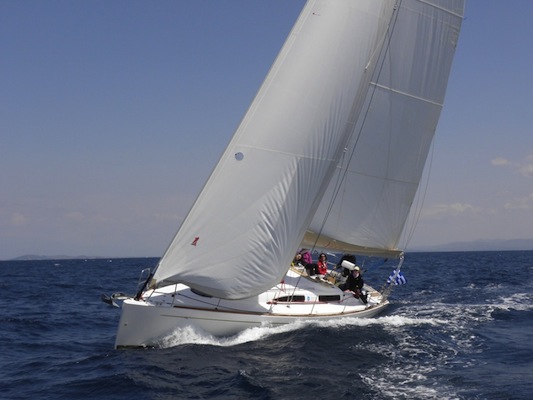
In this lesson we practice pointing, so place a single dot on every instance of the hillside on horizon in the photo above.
(476, 245)
(480, 245)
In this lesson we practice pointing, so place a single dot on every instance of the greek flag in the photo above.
(397, 279)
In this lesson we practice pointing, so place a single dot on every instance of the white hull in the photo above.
(145, 322)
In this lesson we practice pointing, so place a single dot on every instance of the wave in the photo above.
(193, 335)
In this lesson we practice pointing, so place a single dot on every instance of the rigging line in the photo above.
(382, 57)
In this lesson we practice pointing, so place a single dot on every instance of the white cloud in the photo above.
(74, 216)
(167, 217)
(19, 219)
(500, 162)
(438, 211)
(524, 168)
(520, 203)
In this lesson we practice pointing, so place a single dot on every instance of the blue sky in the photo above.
(112, 115)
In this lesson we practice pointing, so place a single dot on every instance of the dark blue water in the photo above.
(462, 328)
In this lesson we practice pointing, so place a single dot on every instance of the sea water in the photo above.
(461, 328)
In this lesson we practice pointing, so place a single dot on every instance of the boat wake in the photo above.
(449, 318)
(193, 335)
(517, 301)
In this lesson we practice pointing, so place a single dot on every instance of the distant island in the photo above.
(476, 245)
(35, 257)
(480, 245)
(30, 257)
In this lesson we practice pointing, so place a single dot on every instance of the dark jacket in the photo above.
(354, 284)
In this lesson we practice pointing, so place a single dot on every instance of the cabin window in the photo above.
(286, 299)
(329, 298)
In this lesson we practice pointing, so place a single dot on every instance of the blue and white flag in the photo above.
(397, 279)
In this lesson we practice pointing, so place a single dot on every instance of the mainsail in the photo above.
(341, 81)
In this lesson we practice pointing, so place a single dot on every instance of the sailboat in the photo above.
(329, 156)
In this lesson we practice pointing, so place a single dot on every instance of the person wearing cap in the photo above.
(354, 284)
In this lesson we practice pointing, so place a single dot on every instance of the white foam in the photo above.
(192, 335)
(517, 301)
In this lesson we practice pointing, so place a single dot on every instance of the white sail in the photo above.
(242, 232)
(367, 204)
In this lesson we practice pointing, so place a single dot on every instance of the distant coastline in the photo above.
(34, 257)
(476, 245)
(479, 245)
(30, 257)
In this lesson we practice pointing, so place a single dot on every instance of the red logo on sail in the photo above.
(195, 241)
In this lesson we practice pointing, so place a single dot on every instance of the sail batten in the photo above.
(392, 90)
(456, 11)
(322, 101)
